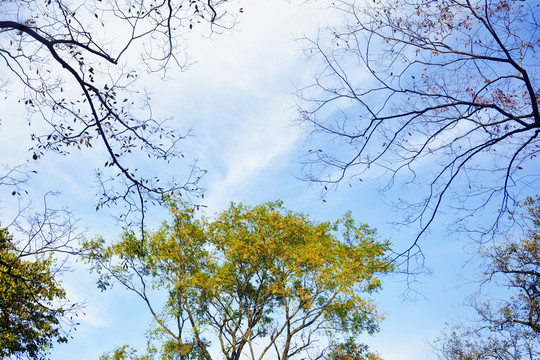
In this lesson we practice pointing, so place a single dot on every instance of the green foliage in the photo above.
(30, 319)
(350, 350)
(253, 274)
(123, 353)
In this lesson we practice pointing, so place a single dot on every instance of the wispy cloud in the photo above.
(238, 97)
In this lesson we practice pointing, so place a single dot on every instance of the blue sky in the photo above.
(237, 98)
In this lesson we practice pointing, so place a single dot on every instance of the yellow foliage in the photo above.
(264, 260)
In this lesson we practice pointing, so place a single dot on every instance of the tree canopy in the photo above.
(508, 317)
(254, 281)
(439, 95)
(33, 306)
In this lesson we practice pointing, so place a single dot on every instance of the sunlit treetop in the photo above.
(258, 280)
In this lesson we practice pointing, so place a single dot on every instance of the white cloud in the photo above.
(238, 96)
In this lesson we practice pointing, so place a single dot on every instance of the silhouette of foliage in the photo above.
(439, 96)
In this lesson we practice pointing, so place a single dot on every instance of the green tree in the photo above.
(255, 280)
(33, 304)
(441, 96)
(507, 327)
(123, 353)
(350, 350)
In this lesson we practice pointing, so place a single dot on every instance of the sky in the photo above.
(237, 99)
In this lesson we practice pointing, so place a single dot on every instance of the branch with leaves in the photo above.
(80, 82)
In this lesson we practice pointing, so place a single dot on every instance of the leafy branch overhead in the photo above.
(258, 281)
(75, 61)
(440, 96)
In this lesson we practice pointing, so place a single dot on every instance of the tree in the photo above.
(440, 95)
(508, 327)
(350, 350)
(33, 305)
(122, 353)
(255, 280)
(73, 60)
(35, 312)
(463, 343)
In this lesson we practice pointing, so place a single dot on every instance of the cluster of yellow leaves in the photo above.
(273, 253)
(250, 263)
